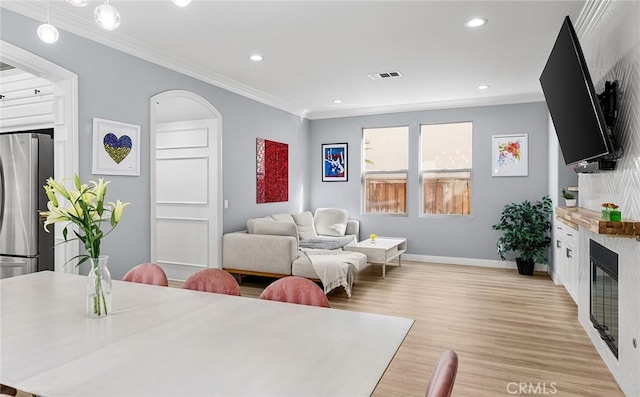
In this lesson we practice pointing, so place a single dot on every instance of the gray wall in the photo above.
(453, 236)
(566, 177)
(117, 86)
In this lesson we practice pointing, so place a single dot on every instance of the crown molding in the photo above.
(413, 107)
(86, 28)
(89, 30)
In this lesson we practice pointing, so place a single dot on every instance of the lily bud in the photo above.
(51, 195)
(61, 190)
(76, 181)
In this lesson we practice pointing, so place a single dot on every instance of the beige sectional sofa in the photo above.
(287, 244)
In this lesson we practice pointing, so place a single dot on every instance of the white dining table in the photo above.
(161, 341)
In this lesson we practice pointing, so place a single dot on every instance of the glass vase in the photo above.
(615, 216)
(99, 288)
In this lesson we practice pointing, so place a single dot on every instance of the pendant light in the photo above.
(106, 16)
(47, 32)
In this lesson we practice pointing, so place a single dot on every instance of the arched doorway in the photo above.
(186, 183)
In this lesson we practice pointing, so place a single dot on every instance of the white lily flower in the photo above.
(85, 209)
(54, 215)
(117, 209)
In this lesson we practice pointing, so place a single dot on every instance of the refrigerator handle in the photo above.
(2, 190)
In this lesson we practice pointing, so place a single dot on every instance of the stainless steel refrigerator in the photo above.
(26, 161)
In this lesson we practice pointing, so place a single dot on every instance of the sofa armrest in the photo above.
(353, 228)
(259, 252)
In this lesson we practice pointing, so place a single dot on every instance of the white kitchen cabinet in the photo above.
(566, 257)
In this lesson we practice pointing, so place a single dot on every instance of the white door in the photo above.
(185, 204)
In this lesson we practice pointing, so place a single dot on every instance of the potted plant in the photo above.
(610, 212)
(570, 198)
(525, 227)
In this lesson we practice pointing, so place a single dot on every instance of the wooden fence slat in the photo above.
(441, 196)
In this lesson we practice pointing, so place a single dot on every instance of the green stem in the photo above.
(99, 299)
(98, 287)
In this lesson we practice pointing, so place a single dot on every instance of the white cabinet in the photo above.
(566, 257)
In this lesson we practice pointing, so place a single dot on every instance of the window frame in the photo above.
(422, 172)
(364, 173)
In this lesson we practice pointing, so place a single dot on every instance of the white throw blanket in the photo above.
(331, 270)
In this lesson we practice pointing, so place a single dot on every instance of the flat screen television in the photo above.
(572, 102)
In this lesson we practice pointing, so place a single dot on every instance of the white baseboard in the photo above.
(554, 277)
(470, 262)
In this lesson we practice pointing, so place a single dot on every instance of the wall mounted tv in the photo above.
(578, 118)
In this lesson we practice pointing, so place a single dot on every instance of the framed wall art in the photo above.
(272, 171)
(509, 155)
(116, 148)
(334, 162)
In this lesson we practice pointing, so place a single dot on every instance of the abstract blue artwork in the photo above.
(334, 162)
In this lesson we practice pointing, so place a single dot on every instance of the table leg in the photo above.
(384, 264)
(400, 261)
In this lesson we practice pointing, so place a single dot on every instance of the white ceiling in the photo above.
(318, 51)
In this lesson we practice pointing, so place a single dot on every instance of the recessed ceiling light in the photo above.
(483, 87)
(256, 57)
(476, 22)
(181, 3)
(78, 3)
(337, 101)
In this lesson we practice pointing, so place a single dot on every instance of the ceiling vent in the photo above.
(384, 75)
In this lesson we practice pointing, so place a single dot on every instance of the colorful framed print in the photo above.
(510, 155)
(334, 162)
(272, 171)
(116, 148)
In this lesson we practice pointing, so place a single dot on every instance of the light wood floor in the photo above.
(505, 328)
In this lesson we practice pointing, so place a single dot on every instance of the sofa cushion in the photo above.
(304, 221)
(330, 221)
(262, 226)
(251, 222)
(327, 242)
(282, 218)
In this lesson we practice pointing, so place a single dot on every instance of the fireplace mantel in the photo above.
(588, 219)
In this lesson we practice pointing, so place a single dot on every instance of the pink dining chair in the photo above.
(147, 273)
(217, 281)
(443, 375)
(294, 289)
(7, 391)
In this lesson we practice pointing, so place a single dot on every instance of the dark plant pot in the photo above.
(525, 267)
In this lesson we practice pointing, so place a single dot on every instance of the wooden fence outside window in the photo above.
(446, 195)
(449, 195)
(386, 196)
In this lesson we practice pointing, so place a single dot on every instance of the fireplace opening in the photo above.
(604, 293)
